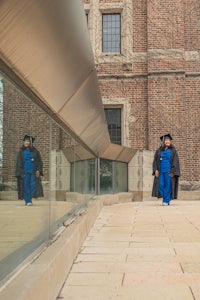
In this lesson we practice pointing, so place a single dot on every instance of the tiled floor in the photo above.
(139, 251)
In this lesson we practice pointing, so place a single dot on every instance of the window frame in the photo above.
(120, 34)
(109, 107)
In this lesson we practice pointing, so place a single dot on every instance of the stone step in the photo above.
(189, 195)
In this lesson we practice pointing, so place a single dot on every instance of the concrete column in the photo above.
(140, 175)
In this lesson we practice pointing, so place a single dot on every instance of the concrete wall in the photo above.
(140, 175)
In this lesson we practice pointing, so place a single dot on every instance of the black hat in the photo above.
(29, 138)
(166, 137)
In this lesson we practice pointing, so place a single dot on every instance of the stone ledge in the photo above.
(109, 199)
(189, 185)
(189, 195)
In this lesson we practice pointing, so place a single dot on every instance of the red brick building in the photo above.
(147, 55)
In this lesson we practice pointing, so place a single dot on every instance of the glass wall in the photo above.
(83, 176)
(64, 184)
(54, 172)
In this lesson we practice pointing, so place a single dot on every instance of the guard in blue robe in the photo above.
(166, 171)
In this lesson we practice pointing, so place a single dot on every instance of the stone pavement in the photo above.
(139, 251)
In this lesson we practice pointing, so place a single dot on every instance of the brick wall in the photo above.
(158, 72)
(139, 24)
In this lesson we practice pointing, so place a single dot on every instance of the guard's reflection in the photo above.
(29, 169)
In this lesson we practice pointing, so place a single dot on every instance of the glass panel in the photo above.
(59, 177)
(120, 177)
(22, 228)
(1, 131)
(113, 177)
(83, 176)
(106, 176)
(68, 178)
(113, 117)
(72, 178)
(111, 26)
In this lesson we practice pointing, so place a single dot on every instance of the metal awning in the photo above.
(45, 43)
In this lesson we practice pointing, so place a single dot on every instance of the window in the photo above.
(113, 117)
(111, 33)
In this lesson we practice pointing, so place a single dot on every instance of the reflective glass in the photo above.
(83, 176)
(66, 178)
(120, 177)
(113, 177)
(23, 228)
(72, 179)
(106, 185)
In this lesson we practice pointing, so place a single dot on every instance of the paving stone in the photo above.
(187, 248)
(151, 233)
(161, 278)
(196, 291)
(129, 250)
(155, 245)
(126, 293)
(153, 253)
(95, 279)
(106, 244)
(151, 240)
(152, 250)
(126, 267)
(188, 258)
(191, 267)
(151, 258)
(102, 257)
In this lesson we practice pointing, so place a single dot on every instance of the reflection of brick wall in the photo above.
(22, 116)
(158, 72)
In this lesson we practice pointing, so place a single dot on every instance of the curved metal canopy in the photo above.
(46, 44)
